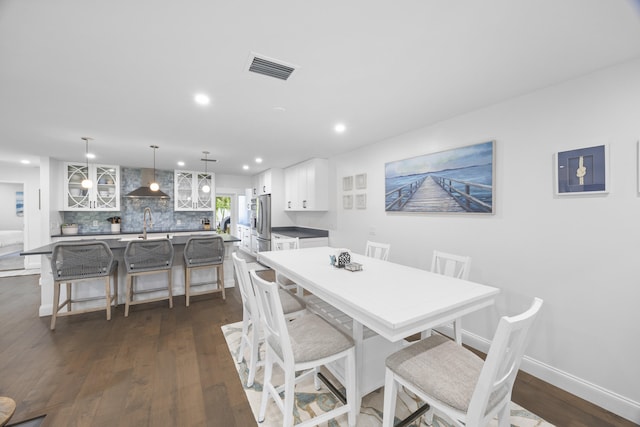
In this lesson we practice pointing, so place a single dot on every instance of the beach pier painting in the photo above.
(456, 180)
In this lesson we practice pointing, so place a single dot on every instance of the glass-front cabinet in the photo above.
(190, 191)
(102, 195)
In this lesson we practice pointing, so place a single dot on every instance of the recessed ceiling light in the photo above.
(201, 99)
(91, 156)
(25, 162)
(245, 167)
(280, 109)
(340, 127)
(258, 160)
(180, 163)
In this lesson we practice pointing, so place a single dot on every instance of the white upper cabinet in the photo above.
(262, 183)
(104, 193)
(189, 194)
(306, 186)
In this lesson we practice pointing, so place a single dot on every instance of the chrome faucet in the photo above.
(144, 222)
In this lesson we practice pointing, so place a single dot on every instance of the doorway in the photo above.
(223, 213)
(12, 228)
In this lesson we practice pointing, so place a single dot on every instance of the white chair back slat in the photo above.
(272, 317)
(501, 366)
(451, 265)
(244, 283)
(377, 250)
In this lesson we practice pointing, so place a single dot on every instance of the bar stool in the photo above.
(73, 262)
(144, 257)
(201, 253)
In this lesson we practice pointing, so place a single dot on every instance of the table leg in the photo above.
(358, 338)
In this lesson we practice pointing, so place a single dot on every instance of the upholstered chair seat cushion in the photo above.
(312, 338)
(440, 368)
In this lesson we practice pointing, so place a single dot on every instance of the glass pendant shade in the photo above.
(154, 186)
(205, 187)
(86, 183)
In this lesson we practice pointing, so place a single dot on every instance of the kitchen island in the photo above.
(308, 237)
(117, 243)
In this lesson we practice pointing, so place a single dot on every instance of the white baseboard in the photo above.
(590, 392)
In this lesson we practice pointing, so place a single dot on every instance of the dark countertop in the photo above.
(153, 230)
(116, 243)
(300, 232)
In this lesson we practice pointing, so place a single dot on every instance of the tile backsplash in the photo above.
(131, 210)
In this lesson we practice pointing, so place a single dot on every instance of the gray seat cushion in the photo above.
(290, 303)
(440, 368)
(312, 338)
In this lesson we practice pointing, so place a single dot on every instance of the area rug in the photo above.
(309, 402)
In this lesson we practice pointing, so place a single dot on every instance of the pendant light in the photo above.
(87, 183)
(205, 187)
(154, 186)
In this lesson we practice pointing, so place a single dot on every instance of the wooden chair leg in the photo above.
(107, 293)
(220, 277)
(56, 302)
(129, 296)
(69, 296)
(187, 283)
(170, 288)
(115, 288)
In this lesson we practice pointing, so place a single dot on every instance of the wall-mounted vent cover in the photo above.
(270, 67)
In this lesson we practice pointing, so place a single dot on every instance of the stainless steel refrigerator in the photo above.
(263, 223)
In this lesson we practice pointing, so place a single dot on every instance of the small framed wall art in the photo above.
(347, 201)
(582, 171)
(347, 183)
(361, 181)
(361, 201)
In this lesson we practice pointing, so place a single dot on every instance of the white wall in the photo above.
(8, 218)
(580, 254)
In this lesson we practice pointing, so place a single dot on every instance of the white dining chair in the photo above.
(451, 265)
(454, 381)
(286, 244)
(292, 307)
(303, 345)
(377, 250)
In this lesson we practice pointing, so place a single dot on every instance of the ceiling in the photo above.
(125, 72)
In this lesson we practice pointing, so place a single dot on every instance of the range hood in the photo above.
(144, 192)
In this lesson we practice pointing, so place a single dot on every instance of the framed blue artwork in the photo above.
(582, 171)
(460, 180)
(19, 203)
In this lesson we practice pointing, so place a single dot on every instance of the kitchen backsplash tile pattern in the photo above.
(131, 213)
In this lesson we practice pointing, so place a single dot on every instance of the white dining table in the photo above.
(393, 300)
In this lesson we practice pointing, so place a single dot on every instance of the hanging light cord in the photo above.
(154, 185)
(206, 187)
(86, 183)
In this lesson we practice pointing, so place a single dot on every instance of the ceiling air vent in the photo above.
(270, 67)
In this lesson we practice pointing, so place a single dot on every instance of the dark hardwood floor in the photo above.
(161, 367)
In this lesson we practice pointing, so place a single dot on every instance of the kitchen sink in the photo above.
(149, 237)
